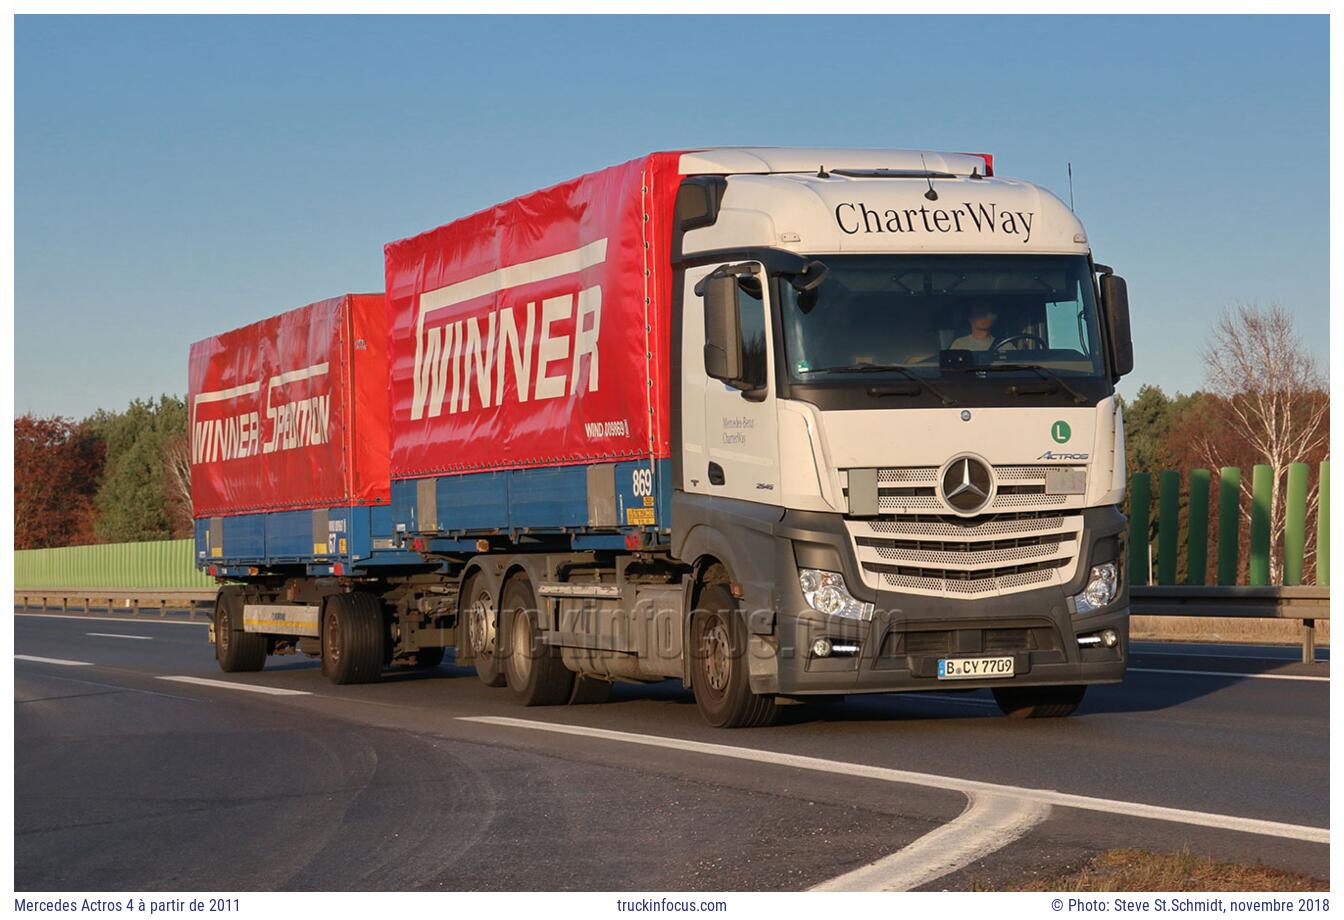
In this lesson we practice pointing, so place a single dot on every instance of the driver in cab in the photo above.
(981, 318)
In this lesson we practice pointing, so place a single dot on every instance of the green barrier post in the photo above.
(1168, 525)
(1140, 496)
(1197, 535)
(1295, 524)
(1262, 493)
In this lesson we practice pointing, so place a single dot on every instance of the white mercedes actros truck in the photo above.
(781, 423)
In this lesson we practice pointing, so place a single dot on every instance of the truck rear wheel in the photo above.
(352, 638)
(535, 671)
(719, 673)
(1038, 702)
(236, 650)
(482, 631)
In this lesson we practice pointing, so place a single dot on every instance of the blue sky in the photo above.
(175, 177)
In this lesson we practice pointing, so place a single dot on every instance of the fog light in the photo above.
(1103, 584)
(821, 648)
(1109, 638)
(825, 592)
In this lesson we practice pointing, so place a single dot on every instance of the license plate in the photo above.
(964, 668)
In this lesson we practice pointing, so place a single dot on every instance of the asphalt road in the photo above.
(126, 780)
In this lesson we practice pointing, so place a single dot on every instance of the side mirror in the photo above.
(723, 328)
(1115, 302)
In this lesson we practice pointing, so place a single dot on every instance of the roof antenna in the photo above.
(930, 194)
(1070, 185)
(822, 173)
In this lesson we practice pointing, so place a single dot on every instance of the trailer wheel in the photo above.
(535, 671)
(236, 650)
(482, 634)
(352, 638)
(1038, 702)
(719, 670)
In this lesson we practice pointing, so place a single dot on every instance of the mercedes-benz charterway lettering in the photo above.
(968, 217)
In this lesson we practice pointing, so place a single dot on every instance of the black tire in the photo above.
(719, 676)
(482, 631)
(236, 650)
(353, 638)
(590, 691)
(428, 657)
(536, 673)
(1039, 702)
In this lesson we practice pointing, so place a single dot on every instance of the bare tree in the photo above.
(177, 480)
(1272, 396)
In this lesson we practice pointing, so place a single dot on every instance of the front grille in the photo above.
(1020, 487)
(1026, 538)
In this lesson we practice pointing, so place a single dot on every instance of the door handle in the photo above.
(715, 474)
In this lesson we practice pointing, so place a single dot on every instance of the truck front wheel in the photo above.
(719, 672)
(352, 638)
(236, 650)
(1038, 702)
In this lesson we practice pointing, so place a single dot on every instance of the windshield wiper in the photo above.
(1043, 372)
(866, 367)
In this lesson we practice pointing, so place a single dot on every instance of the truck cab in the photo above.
(896, 424)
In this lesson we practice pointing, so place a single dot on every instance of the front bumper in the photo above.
(899, 648)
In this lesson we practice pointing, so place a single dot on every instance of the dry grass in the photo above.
(1144, 870)
(1224, 629)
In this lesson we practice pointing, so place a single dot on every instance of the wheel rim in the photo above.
(331, 636)
(480, 626)
(520, 653)
(716, 655)
(225, 630)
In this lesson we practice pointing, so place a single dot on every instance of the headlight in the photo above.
(1103, 583)
(826, 593)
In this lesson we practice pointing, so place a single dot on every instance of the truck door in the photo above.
(730, 436)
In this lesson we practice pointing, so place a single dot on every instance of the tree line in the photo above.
(124, 476)
(112, 477)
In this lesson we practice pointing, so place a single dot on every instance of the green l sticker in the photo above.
(1061, 432)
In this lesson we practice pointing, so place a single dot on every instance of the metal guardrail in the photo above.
(132, 601)
(1306, 604)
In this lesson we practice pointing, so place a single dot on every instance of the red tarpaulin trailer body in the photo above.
(536, 333)
(291, 412)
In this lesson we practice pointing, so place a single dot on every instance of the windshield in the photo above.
(944, 316)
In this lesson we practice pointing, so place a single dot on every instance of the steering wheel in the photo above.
(1021, 335)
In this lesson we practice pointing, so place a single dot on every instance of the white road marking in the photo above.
(1287, 659)
(65, 661)
(1225, 674)
(119, 636)
(136, 620)
(989, 823)
(934, 781)
(94, 683)
(231, 685)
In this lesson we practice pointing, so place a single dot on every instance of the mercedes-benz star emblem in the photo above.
(966, 485)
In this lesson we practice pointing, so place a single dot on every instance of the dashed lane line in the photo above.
(61, 661)
(1306, 677)
(231, 685)
(120, 636)
(967, 787)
